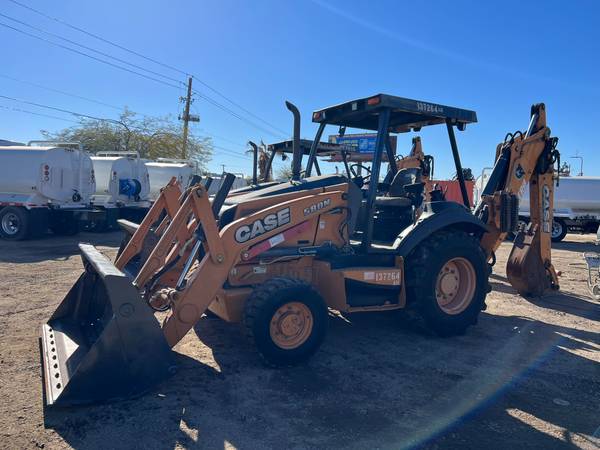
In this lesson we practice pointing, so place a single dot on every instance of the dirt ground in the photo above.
(528, 375)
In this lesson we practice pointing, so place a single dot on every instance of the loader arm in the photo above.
(167, 203)
(202, 273)
(523, 158)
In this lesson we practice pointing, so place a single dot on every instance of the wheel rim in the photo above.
(556, 229)
(455, 286)
(291, 325)
(11, 223)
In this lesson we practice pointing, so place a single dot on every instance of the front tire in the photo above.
(287, 320)
(447, 281)
(559, 230)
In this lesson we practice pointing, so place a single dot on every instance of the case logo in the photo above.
(261, 226)
(546, 209)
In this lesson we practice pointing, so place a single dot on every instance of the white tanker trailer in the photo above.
(122, 189)
(162, 170)
(43, 187)
(576, 204)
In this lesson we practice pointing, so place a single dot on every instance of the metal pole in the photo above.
(186, 118)
(459, 172)
(269, 164)
(312, 156)
(382, 132)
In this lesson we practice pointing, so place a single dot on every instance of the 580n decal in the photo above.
(317, 206)
(261, 226)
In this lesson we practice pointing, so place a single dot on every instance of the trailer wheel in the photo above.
(447, 281)
(287, 320)
(559, 230)
(14, 223)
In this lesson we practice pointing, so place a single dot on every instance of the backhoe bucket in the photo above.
(103, 342)
(525, 269)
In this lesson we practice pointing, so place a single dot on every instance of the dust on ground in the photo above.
(528, 375)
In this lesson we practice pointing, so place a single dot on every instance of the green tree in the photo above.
(151, 137)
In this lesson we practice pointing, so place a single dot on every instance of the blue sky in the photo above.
(495, 58)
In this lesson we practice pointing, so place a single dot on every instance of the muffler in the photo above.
(103, 342)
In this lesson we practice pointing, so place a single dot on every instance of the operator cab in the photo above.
(390, 206)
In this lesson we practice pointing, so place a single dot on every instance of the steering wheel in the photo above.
(354, 171)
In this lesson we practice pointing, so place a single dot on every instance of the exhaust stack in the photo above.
(297, 151)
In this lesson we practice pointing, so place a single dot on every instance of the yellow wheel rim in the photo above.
(291, 325)
(455, 286)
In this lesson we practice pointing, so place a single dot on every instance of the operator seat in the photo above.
(404, 191)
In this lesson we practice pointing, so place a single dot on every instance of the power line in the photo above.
(208, 99)
(36, 113)
(230, 152)
(88, 55)
(147, 58)
(233, 113)
(81, 30)
(221, 138)
(241, 107)
(67, 111)
(70, 41)
(81, 97)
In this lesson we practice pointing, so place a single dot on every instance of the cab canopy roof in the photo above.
(405, 114)
(323, 149)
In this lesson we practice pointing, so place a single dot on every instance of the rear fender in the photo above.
(437, 216)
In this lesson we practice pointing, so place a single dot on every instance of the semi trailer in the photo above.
(43, 187)
(122, 189)
(163, 169)
(576, 204)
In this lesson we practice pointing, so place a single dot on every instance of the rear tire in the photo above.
(14, 223)
(447, 281)
(287, 320)
(559, 230)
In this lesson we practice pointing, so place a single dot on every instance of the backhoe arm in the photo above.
(523, 158)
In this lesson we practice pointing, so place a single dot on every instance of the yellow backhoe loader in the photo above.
(277, 258)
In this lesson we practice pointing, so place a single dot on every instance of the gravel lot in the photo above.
(528, 375)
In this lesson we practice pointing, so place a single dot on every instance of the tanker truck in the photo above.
(122, 189)
(43, 187)
(576, 204)
(163, 169)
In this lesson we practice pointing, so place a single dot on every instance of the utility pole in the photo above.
(187, 118)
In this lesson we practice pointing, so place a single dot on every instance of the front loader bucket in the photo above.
(103, 342)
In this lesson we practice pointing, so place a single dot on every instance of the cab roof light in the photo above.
(374, 100)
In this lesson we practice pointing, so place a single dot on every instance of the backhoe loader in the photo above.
(277, 258)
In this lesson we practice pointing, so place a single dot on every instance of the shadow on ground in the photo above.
(375, 383)
(52, 247)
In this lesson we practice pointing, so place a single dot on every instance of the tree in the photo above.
(151, 137)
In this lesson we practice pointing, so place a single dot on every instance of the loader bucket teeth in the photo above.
(103, 342)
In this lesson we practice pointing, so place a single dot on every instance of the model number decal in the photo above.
(261, 226)
(428, 107)
(317, 206)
